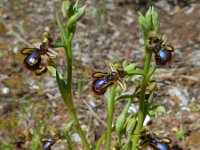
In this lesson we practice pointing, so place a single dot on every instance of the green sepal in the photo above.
(67, 8)
(143, 23)
(130, 67)
(149, 18)
(28, 50)
(125, 63)
(75, 7)
(66, 5)
(168, 48)
(155, 20)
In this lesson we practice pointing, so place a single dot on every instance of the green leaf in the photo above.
(151, 71)
(60, 81)
(76, 16)
(128, 118)
(62, 30)
(151, 98)
(63, 88)
(160, 109)
(75, 7)
(36, 141)
(52, 69)
(68, 126)
(121, 120)
(180, 135)
(43, 129)
(80, 84)
(131, 125)
(127, 145)
(124, 96)
(100, 141)
(130, 67)
(152, 113)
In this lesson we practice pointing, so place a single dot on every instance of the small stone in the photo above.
(47, 29)
(15, 50)
(146, 120)
(76, 138)
(92, 103)
(132, 109)
(5, 90)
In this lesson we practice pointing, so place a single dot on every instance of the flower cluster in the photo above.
(49, 141)
(103, 80)
(153, 139)
(163, 52)
(38, 58)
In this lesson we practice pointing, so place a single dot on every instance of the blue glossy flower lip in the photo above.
(32, 59)
(47, 144)
(163, 57)
(163, 54)
(162, 146)
(99, 83)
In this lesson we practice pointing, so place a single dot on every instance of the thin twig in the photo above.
(15, 34)
(94, 114)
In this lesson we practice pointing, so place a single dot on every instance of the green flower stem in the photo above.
(110, 110)
(128, 104)
(69, 142)
(58, 45)
(100, 141)
(135, 72)
(141, 113)
(69, 100)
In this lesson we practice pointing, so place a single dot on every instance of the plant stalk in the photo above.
(141, 113)
(110, 110)
(69, 142)
(70, 95)
(100, 141)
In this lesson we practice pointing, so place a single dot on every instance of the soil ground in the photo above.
(108, 32)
